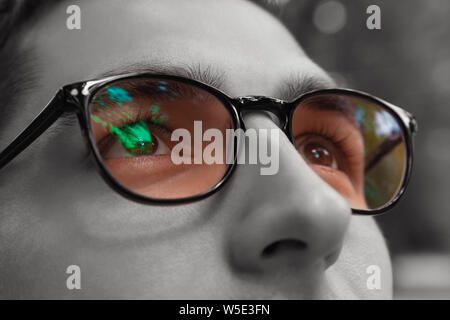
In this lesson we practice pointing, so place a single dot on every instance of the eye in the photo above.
(133, 140)
(317, 150)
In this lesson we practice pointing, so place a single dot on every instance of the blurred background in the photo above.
(407, 62)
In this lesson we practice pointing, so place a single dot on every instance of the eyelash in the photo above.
(148, 117)
(142, 115)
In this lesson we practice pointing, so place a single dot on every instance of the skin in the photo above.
(57, 211)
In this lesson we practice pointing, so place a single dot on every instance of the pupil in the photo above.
(143, 148)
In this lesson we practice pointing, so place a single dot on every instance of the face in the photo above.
(288, 235)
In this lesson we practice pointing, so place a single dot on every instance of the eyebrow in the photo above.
(202, 73)
(291, 88)
(296, 85)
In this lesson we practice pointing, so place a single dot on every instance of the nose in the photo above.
(291, 220)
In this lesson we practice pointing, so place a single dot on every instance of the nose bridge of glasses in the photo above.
(271, 105)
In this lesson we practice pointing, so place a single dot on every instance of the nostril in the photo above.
(283, 245)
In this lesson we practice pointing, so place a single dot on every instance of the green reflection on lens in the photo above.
(118, 95)
(135, 138)
(161, 119)
(99, 101)
(154, 109)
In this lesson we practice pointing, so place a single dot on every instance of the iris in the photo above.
(135, 138)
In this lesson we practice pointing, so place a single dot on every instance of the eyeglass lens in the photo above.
(353, 143)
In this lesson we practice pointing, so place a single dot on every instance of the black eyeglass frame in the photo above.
(76, 98)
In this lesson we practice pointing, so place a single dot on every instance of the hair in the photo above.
(16, 14)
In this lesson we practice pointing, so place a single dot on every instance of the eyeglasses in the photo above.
(359, 144)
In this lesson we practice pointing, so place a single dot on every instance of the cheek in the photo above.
(58, 213)
(363, 261)
(342, 184)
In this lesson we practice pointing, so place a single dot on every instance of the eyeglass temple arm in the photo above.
(42, 122)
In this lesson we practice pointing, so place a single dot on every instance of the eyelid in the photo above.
(327, 126)
(107, 140)
(340, 111)
(104, 137)
(130, 115)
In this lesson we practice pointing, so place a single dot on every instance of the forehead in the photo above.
(236, 38)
